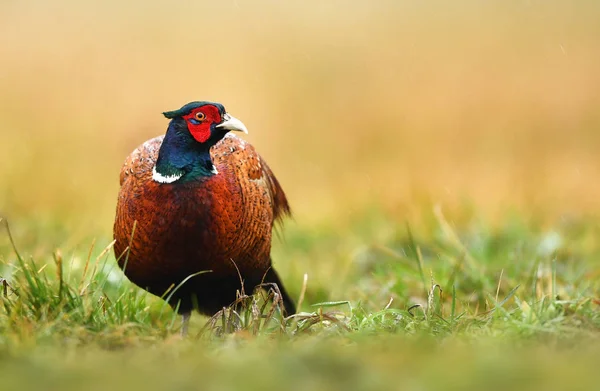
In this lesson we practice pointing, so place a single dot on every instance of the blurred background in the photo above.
(357, 106)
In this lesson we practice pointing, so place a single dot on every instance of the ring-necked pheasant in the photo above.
(201, 199)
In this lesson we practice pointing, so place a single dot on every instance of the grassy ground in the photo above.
(441, 161)
(512, 306)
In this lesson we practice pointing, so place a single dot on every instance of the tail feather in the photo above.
(288, 303)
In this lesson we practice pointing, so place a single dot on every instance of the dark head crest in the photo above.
(187, 108)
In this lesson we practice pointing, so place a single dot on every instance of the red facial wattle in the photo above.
(201, 129)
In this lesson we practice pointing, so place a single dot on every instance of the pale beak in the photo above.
(232, 123)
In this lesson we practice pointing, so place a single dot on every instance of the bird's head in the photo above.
(207, 122)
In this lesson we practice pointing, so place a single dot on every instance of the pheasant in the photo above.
(196, 211)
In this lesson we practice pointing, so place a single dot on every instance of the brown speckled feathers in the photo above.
(222, 223)
(140, 162)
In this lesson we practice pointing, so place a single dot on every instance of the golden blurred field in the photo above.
(371, 114)
(353, 104)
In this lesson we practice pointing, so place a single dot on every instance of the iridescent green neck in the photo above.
(181, 158)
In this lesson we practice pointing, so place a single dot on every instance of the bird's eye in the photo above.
(200, 116)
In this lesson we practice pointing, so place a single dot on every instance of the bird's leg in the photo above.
(185, 322)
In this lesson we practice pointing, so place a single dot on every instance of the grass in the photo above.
(442, 305)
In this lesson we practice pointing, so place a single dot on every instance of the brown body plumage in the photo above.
(220, 223)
